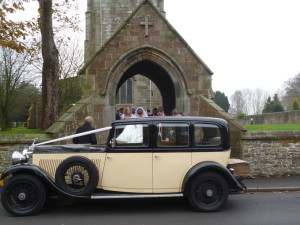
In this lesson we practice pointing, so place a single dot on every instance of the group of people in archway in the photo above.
(140, 112)
(126, 113)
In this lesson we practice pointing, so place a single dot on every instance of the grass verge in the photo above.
(21, 130)
(274, 127)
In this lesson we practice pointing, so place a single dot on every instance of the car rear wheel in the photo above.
(23, 195)
(77, 175)
(208, 192)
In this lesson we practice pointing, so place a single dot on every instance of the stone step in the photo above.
(241, 167)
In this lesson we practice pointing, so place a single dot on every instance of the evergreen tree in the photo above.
(295, 105)
(274, 105)
(222, 100)
(277, 105)
(268, 106)
(277, 108)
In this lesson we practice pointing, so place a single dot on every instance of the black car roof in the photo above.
(193, 119)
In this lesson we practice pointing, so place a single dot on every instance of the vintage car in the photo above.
(143, 158)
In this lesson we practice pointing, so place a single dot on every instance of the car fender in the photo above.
(36, 171)
(233, 183)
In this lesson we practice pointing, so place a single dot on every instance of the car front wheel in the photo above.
(23, 195)
(208, 192)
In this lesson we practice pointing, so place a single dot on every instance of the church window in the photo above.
(124, 94)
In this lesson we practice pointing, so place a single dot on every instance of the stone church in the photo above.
(127, 38)
(132, 52)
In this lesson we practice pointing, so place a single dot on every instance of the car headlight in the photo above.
(17, 158)
(27, 151)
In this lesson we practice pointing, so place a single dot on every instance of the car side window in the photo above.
(207, 135)
(131, 135)
(172, 134)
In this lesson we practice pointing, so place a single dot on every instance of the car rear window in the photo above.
(207, 135)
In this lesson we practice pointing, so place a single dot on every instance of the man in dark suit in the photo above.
(86, 139)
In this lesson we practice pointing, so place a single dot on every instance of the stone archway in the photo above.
(159, 77)
(158, 67)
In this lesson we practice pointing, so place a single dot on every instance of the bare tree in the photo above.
(71, 60)
(248, 101)
(13, 69)
(292, 90)
(237, 103)
(292, 86)
(259, 97)
(247, 96)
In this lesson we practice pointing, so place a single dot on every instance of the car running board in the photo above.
(132, 195)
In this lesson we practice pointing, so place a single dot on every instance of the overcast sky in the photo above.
(246, 43)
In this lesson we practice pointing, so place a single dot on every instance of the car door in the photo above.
(128, 163)
(171, 156)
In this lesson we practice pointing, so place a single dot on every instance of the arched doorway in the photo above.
(159, 68)
(158, 76)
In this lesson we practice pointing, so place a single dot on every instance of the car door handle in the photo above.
(109, 157)
(156, 156)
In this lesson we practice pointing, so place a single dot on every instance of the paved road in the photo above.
(258, 208)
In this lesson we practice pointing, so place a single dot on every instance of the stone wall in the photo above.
(272, 118)
(272, 153)
(142, 93)
(10, 142)
(268, 153)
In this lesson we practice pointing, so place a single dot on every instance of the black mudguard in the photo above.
(234, 184)
(36, 171)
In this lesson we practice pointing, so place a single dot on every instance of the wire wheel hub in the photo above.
(209, 193)
(77, 177)
(22, 196)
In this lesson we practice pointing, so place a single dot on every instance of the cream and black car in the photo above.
(143, 158)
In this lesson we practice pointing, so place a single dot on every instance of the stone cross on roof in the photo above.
(146, 23)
